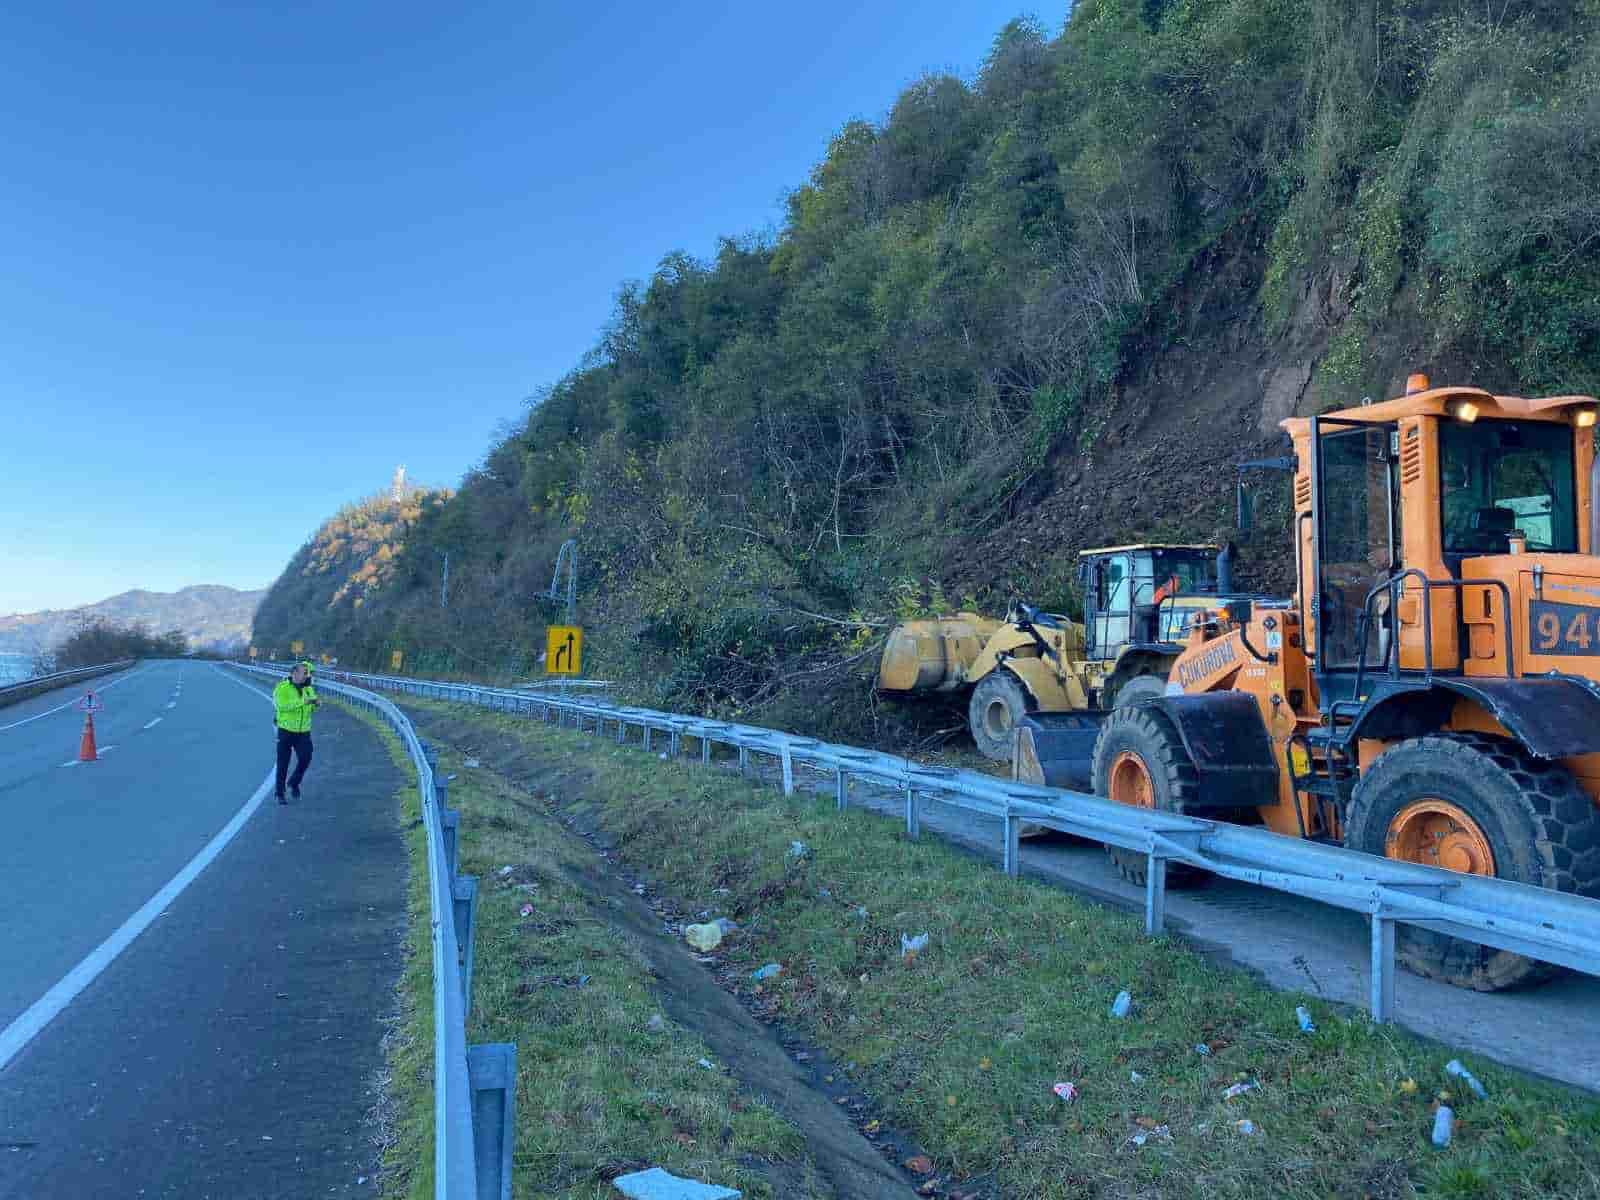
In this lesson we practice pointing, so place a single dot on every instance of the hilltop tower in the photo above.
(397, 488)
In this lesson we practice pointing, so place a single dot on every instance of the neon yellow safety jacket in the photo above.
(294, 705)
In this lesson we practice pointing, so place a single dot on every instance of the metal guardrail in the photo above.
(24, 688)
(474, 1087)
(1551, 926)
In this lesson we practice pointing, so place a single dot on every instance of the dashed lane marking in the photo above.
(68, 704)
(152, 724)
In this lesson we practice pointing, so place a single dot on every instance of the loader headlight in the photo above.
(1584, 418)
(1463, 410)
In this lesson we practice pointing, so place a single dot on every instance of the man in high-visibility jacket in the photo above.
(294, 700)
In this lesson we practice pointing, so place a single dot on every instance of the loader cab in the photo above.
(1409, 514)
(1127, 593)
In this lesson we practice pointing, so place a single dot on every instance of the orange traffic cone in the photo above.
(86, 750)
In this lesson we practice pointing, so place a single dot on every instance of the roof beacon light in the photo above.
(1463, 410)
(1416, 383)
(1584, 418)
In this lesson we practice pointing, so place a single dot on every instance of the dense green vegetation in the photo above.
(769, 454)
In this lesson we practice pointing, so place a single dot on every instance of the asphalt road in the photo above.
(1300, 945)
(233, 1047)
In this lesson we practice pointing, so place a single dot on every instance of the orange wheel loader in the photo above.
(1431, 693)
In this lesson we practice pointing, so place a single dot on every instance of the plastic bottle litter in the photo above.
(1455, 1067)
(727, 926)
(1135, 1077)
(1161, 1133)
(1246, 1128)
(704, 937)
(1201, 1048)
(656, 1023)
(706, 1063)
(824, 894)
(1303, 1015)
(1121, 1005)
(1444, 1123)
(1067, 1091)
(913, 945)
(770, 971)
(1240, 1089)
(798, 852)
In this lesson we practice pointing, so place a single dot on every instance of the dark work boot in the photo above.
(282, 799)
(295, 792)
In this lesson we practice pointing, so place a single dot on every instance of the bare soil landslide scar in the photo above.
(1431, 693)
(1138, 601)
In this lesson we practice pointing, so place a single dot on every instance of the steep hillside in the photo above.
(320, 597)
(209, 616)
(1042, 308)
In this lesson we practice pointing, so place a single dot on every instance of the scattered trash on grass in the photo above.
(1202, 1049)
(1408, 1087)
(662, 756)
(719, 891)
(1121, 1005)
(919, 1164)
(470, 762)
(798, 852)
(770, 971)
(912, 946)
(656, 1184)
(1455, 1067)
(824, 894)
(1303, 1015)
(656, 1023)
(1240, 1089)
(1135, 1077)
(1160, 1133)
(703, 937)
(706, 1063)
(1246, 1128)
(504, 871)
(861, 912)
(727, 926)
(527, 910)
(1067, 1091)
(1444, 1123)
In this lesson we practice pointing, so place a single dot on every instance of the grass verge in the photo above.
(598, 1092)
(961, 1044)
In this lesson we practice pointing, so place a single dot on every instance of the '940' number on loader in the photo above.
(1563, 628)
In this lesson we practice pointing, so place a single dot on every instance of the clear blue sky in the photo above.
(255, 255)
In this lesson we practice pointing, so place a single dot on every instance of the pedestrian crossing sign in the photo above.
(563, 653)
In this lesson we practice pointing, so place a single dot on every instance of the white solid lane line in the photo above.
(26, 1027)
(100, 753)
(152, 724)
(68, 704)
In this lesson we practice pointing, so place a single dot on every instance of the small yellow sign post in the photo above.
(396, 657)
(252, 651)
(563, 653)
(296, 647)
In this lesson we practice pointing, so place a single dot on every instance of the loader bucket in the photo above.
(1056, 749)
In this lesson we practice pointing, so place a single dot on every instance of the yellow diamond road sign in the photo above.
(396, 657)
(296, 647)
(563, 654)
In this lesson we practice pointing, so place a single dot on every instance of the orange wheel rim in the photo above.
(1436, 833)
(1130, 781)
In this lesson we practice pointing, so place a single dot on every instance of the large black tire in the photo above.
(1139, 689)
(997, 704)
(1147, 734)
(1541, 827)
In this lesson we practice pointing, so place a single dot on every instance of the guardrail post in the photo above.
(622, 732)
(492, 1074)
(787, 759)
(841, 789)
(744, 761)
(1382, 998)
(647, 732)
(674, 743)
(705, 749)
(1012, 850)
(450, 826)
(464, 908)
(1155, 894)
(913, 814)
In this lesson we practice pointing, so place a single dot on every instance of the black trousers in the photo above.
(300, 745)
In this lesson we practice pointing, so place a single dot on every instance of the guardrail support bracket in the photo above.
(841, 788)
(913, 813)
(788, 770)
(1013, 844)
(492, 1075)
(450, 826)
(464, 894)
(1155, 895)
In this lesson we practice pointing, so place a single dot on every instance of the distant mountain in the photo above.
(212, 617)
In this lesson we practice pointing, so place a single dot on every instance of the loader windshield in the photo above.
(1502, 477)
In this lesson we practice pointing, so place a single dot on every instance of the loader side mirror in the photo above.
(1245, 518)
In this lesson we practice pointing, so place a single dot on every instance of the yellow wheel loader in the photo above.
(1137, 601)
(1431, 693)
